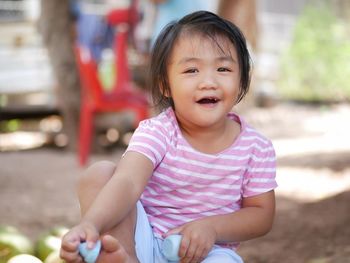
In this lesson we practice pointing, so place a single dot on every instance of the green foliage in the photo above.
(316, 67)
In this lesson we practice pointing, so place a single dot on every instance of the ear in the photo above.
(165, 92)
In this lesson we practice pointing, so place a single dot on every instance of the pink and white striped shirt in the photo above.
(187, 184)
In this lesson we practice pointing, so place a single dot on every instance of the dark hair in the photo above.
(206, 24)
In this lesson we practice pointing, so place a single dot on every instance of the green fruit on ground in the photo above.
(24, 258)
(46, 245)
(59, 231)
(13, 243)
(54, 257)
(50, 242)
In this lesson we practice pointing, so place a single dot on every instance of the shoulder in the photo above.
(163, 122)
(161, 128)
(152, 137)
(252, 138)
(257, 137)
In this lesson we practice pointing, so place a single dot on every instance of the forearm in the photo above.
(119, 196)
(253, 220)
(248, 223)
(112, 204)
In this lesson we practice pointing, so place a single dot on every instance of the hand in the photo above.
(198, 238)
(85, 231)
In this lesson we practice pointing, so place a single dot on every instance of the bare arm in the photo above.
(121, 193)
(116, 199)
(253, 220)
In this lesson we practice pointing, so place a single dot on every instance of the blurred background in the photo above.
(299, 98)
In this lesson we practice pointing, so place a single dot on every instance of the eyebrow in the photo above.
(195, 59)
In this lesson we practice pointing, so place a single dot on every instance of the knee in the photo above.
(97, 175)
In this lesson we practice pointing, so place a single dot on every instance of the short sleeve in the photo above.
(261, 172)
(149, 139)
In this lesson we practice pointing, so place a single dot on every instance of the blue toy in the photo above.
(90, 255)
(171, 246)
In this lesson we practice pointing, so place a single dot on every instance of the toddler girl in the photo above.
(197, 169)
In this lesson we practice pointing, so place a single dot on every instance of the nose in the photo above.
(208, 81)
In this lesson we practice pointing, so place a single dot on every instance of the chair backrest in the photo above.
(91, 86)
(124, 21)
(128, 15)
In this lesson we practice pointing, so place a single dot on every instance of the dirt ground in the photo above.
(313, 199)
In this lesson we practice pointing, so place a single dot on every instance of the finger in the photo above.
(185, 242)
(91, 238)
(71, 257)
(190, 253)
(205, 252)
(70, 244)
(73, 238)
(82, 235)
(200, 255)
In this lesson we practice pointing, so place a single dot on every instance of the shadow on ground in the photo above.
(337, 161)
(311, 232)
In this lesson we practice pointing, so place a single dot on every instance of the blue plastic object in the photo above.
(90, 255)
(171, 246)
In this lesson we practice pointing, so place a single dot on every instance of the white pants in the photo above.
(148, 247)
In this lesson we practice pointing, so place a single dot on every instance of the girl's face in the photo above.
(204, 80)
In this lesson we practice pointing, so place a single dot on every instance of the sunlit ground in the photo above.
(317, 166)
(307, 185)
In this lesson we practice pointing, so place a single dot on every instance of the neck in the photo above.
(212, 139)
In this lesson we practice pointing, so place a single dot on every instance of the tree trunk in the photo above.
(56, 27)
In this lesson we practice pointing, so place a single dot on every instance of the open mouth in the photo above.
(208, 100)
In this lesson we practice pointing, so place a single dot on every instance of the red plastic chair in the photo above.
(123, 96)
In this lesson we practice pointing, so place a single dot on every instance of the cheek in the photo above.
(179, 87)
(233, 89)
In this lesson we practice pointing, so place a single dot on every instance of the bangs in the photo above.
(220, 41)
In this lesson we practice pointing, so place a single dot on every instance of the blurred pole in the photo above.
(342, 8)
(243, 14)
(56, 27)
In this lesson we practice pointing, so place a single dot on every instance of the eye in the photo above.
(224, 69)
(191, 70)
